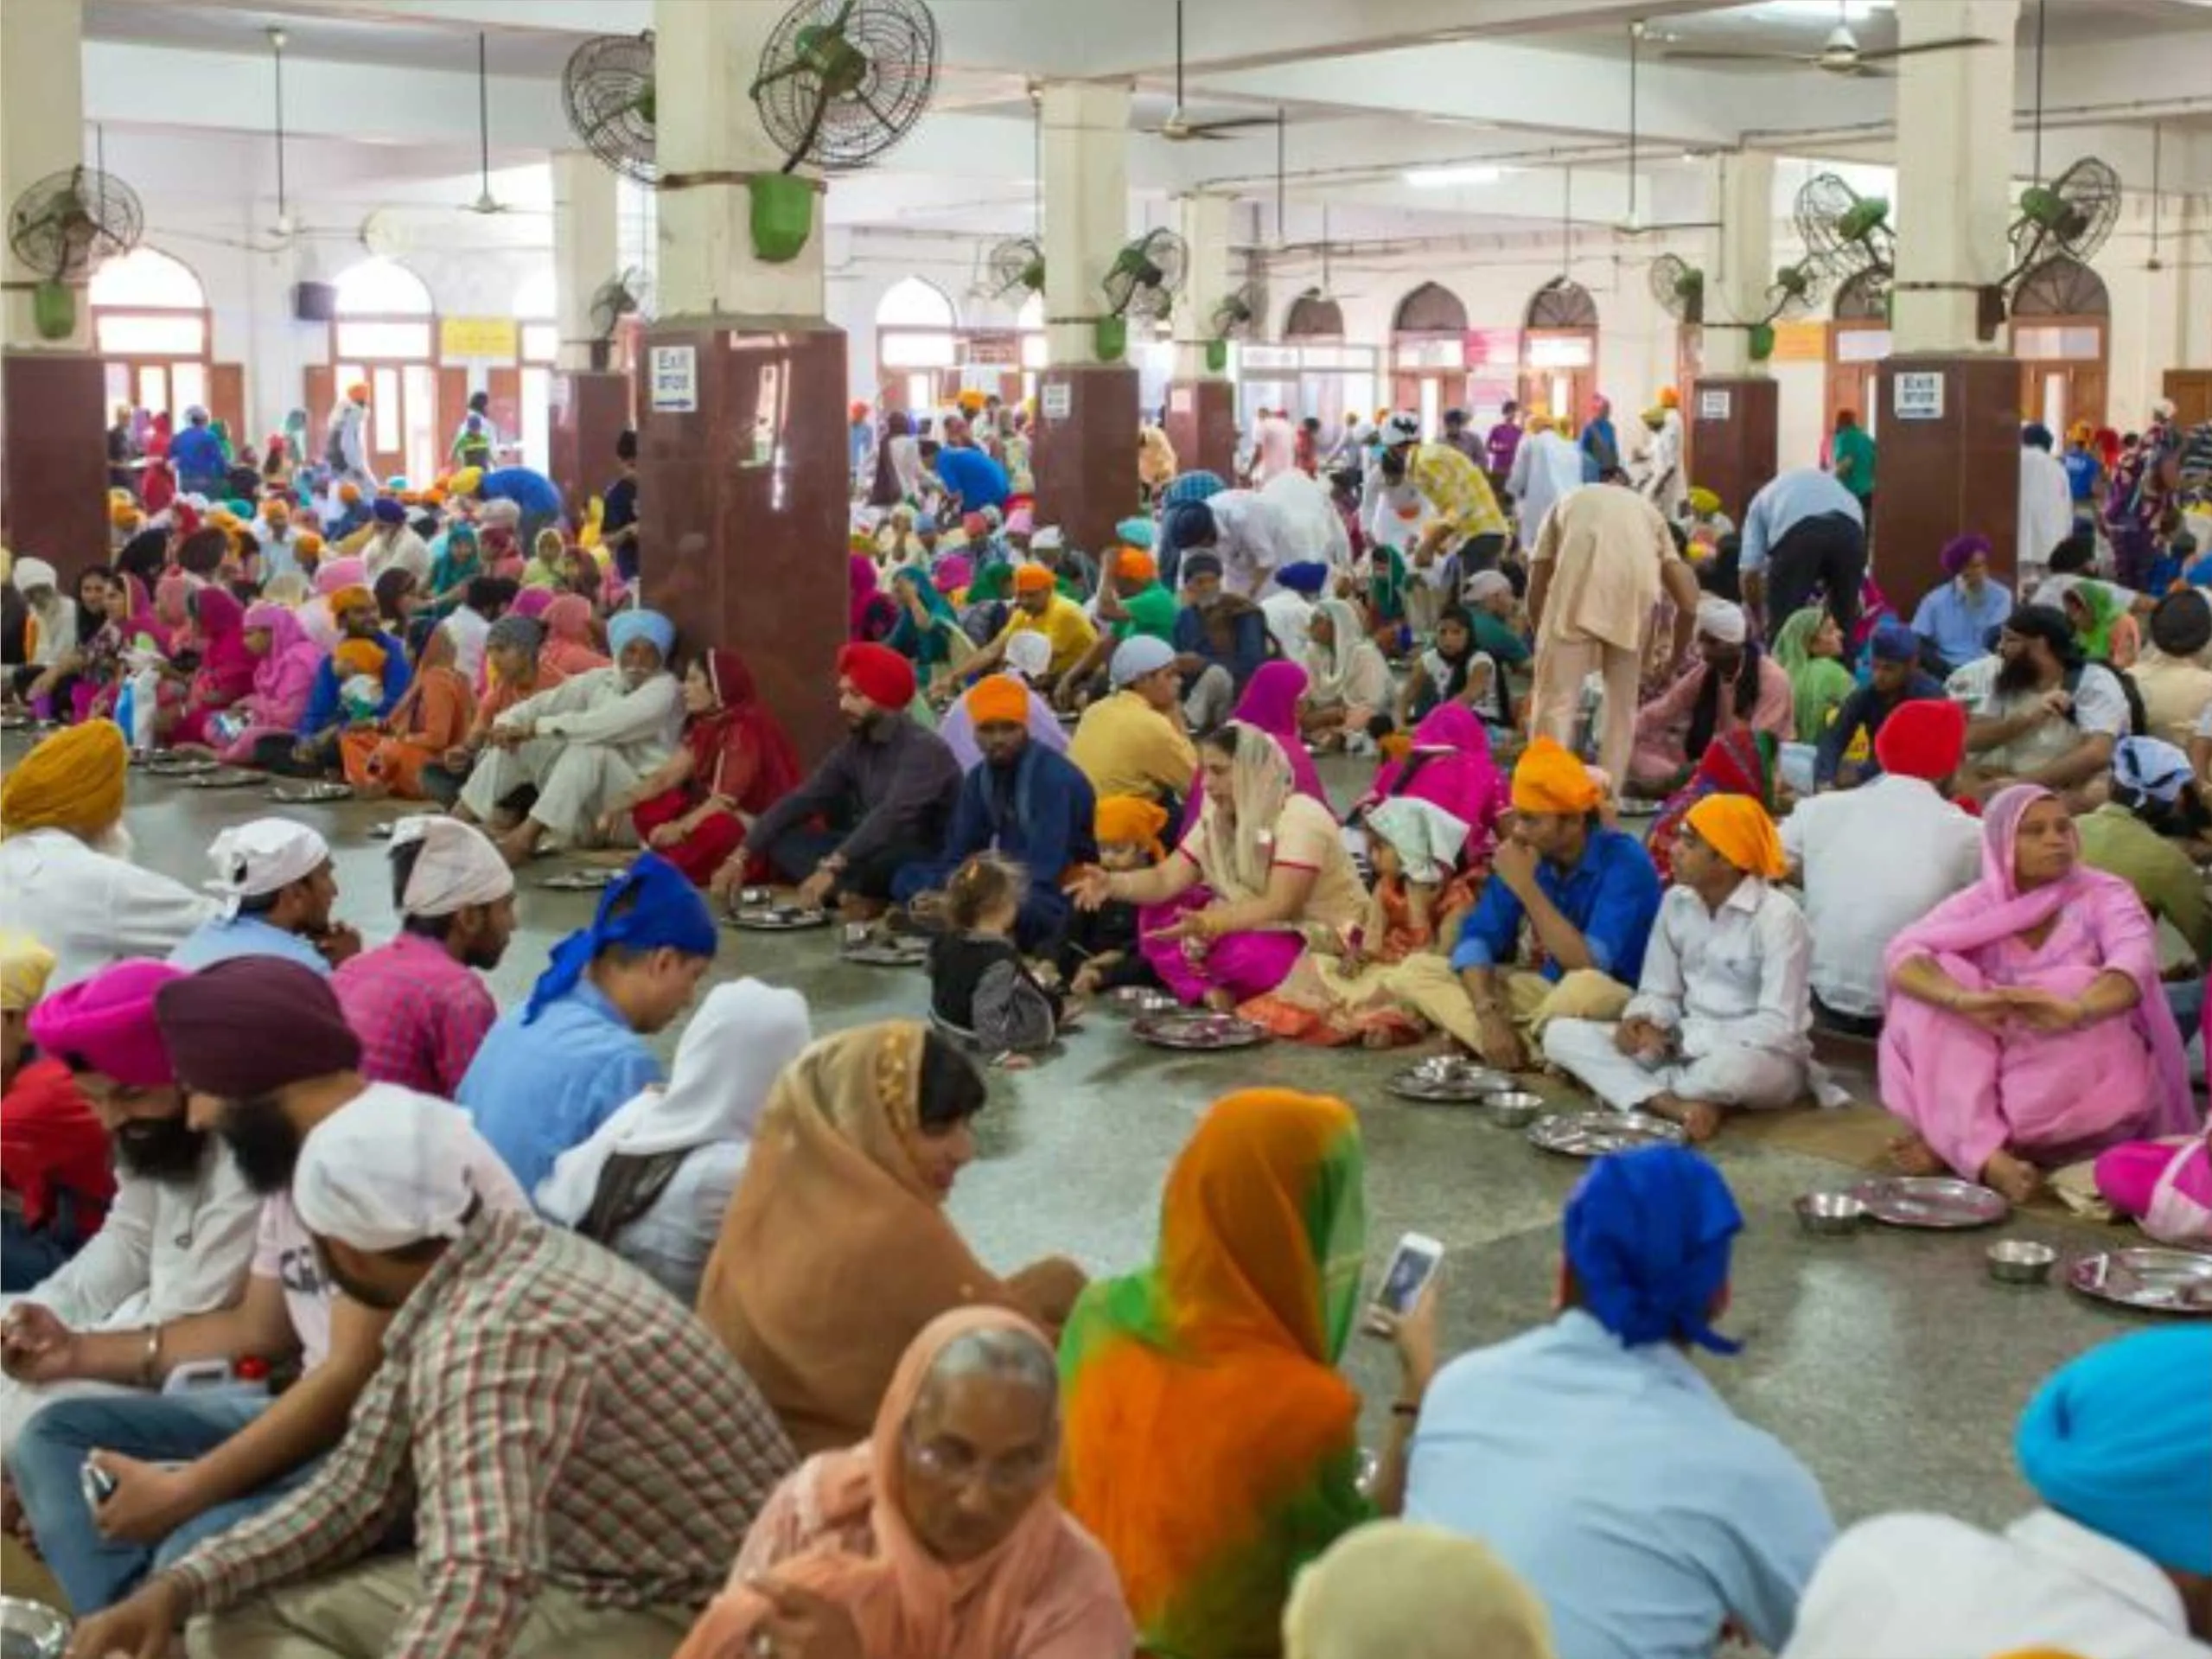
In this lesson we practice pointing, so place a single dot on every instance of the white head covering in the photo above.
(1403, 427)
(1045, 537)
(35, 573)
(1718, 619)
(743, 1035)
(1485, 585)
(260, 856)
(1425, 837)
(1138, 655)
(1029, 652)
(390, 1168)
(2152, 767)
(458, 867)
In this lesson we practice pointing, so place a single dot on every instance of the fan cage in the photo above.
(842, 81)
(608, 92)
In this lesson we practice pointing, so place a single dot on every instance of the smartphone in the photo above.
(98, 1485)
(1412, 1264)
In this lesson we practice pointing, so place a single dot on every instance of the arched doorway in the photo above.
(1428, 353)
(1558, 352)
(384, 336)
(1311, 371)
(536, 307)
(155, 337)
(1858, 343)
(2062, 333)
(917, 347)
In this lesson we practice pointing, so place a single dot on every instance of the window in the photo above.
(382, 287)
(146, 279)
(149, 321)
(914, 304)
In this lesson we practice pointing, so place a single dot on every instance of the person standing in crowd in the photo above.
(1851, 457)
(1501, 444)
(1545, 469)
(1804, 530)
(196, 453)
(2046, 508)
(1600, 445)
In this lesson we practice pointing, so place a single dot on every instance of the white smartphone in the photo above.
(1412, 1265)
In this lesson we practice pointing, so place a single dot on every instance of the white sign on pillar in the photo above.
(1715, 403)
(675, 379)
(1918, 395)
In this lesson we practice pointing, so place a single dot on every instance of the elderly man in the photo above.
(1134, 742)
(887, 792)
(2116, 1563)
(1221, 640)
(1489, 600)
(275, 887)
(1850, 751)
(1955, 621)
(1025, 802)
(65, 858)
(1859, 893)
(2046, 503)
(1588, 897)
(1040, 608)
(1732, 683)
(2039, 713)
(1722, 1015)
(391, 545)
(1804, 530)
(1545, 469)
(178, 1236)
(548, 1073)
(2137, 835)
(189, 1466)
(420, 1003)
(313, 748)
(583, 745)
(1599, 1463)
(1597, 573)
(579, 1455)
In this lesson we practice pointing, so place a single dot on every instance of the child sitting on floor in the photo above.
(980, 987)
(1098, 952)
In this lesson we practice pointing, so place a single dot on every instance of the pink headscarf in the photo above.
(871, 615)
(336, 573)
(227, 669)
(172, 596)
(1271, 702)
(284, 677)
(568, 647)
(533, 602)
(1450, 766)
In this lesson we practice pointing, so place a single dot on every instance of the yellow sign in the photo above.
(478, 336)
(1801, 342)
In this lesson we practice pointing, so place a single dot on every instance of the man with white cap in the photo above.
(1732, 683)
(274, 887)
(420, 1003)
(580, 1457)
(1135, 742)
(2141, 836)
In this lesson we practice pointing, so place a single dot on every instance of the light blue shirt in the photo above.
(218, 941)
(1802, 493)
(1958, 626)
(1622, 1489)
(536, 1090)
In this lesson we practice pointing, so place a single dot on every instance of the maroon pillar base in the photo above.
(1949, 432)
(1086, 453)
(1201, 425)
(54, 458)
(743, 502)
(591, 408)
(1734, 427)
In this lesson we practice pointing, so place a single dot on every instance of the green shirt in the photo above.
(2116, 841)
(1151, 611)
(1855, 446)
(1507, 648)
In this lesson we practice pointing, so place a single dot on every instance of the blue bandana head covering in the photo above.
(1192, 487)
(1894, 642)
(1648, 1235)
(627, 625)
(1136, 532)
(925, 524)
(2121, 1441)
(1189, 524)
(1308, 577)
(652, 906)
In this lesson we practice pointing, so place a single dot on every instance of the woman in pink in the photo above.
(1271, 702)
(284, 674)
(330, 576)
(1733, 683)
(226, 667)
(2165, 1184)
(1449, 766)
(571, 646)
(2026, 1026)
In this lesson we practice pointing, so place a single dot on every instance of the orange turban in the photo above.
(999, 699)
(72, 780)
(122, 515)
(349, 492)
(1550, 779)
(307, 542)
(1132, 820)
(1669, 397)
(1033, 579)
(1737, 828)
(275, 511)
(1137, 565)
(360, 657)
(344, 599)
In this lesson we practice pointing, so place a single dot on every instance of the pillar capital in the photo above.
(1742, 267)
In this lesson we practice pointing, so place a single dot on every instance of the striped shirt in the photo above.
(1456, 489)
(550, 1418)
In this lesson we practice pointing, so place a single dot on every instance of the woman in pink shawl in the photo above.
(1271, 702)
(1449, 766)
(282, 677)
(2026, 1026)
(571, 646)
(871, 616)
(226, 667)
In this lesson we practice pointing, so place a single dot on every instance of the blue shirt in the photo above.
(1612, 897)
(218, 941)
(2082, 471)
(1793, 496)
(1248, 635)
(531, 491)
(1958, 626)
(196, 453)
(1621, 1487)
(1865, 709)
(979, 481)
(536, 1090)
(324, 707)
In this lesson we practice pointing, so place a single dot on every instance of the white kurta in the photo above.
(405, 552)
(1313, 530)
(1253, 539)
(1546, 468)
(1665, 484)
(91, 909)
(2046, 508)
(592, 739)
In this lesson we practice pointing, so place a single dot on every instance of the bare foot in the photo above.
(518, 847)
(1910, 1154)
(2016, 1178)
(1221, 1001)
(1700, 1120)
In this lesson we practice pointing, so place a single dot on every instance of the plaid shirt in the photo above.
(552, 1418)
(420, 1015)
(1456, 489)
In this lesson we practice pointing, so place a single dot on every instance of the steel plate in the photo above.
(1199, 1031)
(1595, 1134)
(223, 780)
(31, 1630)
(882, 955)
(312, 794)
(1450, 1083)
(2146, 1278)
(580, 881)
(778, 918)
(1940, 1202)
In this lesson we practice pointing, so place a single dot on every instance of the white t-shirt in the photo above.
(2099, 706)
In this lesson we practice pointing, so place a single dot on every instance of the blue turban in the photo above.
(627, 625)
(2121, 1441)
(652, 906)
(385, 510)
(1895, 642)
(1136, 532)
(1308, 577)
(1192, 487)
(1648, 1235)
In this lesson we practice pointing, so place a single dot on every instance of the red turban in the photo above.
(1925, 738)
(879, 673)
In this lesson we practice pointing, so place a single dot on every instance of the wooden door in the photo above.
(319, 388)
(2192, 391)
(387, 421)
(452, 409)
(504, 385)
(226, 400)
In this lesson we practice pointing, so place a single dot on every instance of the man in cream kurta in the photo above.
(584, 744)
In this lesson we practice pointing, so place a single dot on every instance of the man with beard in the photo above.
(582, 745)
(887, 792)
(1221, 640)
(2039, 713)
(191, 1465)
(421, 1011)
(274, 881)
(178, 1236)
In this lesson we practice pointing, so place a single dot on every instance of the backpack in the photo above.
(2138, 718)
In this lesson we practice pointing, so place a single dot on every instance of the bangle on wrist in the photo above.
(149, 1362)
(1405, 1409)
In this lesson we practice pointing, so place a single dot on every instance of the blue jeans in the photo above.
(29, 1254)
(47, 1466)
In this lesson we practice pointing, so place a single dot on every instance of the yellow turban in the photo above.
(72, 780)
(24, 964)
(1737, 828)
(1704, 502)
(275, 511)
(349, 492)
(360, 657)
(999, 699)
(307, 542)
(1539, 424)
(346, 598)
(1669, 397)
(1132, 820)
(1550, 779)
(122, 515)
(464, 482)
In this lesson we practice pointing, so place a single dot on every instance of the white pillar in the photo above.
(1202, 221)
(584, 247)
(1736, 285)
(41, 133)
(1955, 154)
(706, 58)
(1086, 208)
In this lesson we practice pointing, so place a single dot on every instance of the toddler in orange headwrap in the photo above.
(1098, 952)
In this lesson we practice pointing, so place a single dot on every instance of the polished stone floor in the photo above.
(1888, 1361)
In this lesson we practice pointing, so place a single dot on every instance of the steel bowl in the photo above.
(2020, 1261)
(1836, 1215)
(30, 1629)
(1515, 1108)
(756, 896)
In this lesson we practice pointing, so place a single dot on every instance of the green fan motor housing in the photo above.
(782, 215)
(1762, 341)
(53, 310)
(1217, 356)
(1110, 338)
(1864, 217)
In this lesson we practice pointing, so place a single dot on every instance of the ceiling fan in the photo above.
(1839, 54)
(486, 202)
(1178, 126)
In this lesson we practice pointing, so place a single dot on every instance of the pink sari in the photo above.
(226, 668)
(1450, 766)
(282, 681)
(2049, 1097)
(1270, 702)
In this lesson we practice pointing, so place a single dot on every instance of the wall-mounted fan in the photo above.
(1016, 265)
(2072, 215)
(1845, 233)
(626, 295)
(608, 91)
(1142, 282)
(1680, 288)
(62, 228)
(1234, 315)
